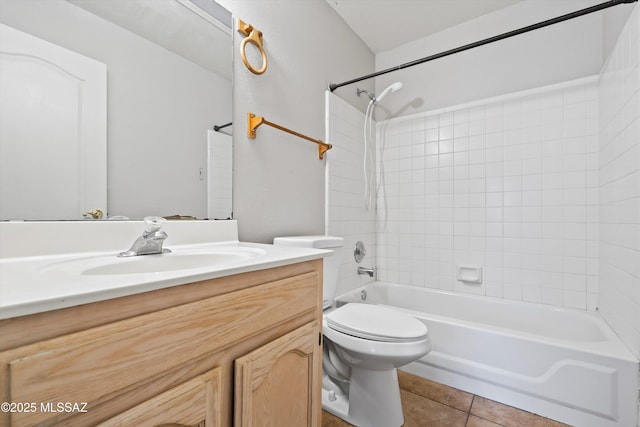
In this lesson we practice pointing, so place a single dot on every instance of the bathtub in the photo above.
(567, 365)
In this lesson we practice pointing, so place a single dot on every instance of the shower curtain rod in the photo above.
(595, 8)
(217, 128)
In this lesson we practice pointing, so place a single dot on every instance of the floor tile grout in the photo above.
(445, 396)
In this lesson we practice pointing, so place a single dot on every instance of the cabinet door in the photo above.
(195, 403)
(279, 384)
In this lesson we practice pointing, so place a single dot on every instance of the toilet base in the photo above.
(338, 407)
(373, 399)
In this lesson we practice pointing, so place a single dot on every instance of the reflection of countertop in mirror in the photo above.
(46, 266)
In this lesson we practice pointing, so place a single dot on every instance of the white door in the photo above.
(53, 130)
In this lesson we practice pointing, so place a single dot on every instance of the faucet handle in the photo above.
(154, 223)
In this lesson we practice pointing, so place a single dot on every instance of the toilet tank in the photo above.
(332, 262)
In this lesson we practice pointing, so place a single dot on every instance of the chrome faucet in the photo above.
(365, 270)
(151, 240)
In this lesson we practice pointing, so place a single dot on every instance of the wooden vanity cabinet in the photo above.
(243, 350)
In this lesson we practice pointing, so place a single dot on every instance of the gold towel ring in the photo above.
(254, 37)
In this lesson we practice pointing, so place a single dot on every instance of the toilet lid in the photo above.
(376, 323)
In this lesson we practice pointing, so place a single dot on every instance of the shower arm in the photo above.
(581, 12)
(361, 91)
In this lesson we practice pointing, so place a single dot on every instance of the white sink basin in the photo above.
(210, 258)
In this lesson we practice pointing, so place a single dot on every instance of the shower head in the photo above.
(393, 88)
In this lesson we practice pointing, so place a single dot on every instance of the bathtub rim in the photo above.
(613, 346)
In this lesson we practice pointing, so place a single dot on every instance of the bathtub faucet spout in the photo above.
(364, 270)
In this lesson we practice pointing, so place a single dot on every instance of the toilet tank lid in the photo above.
(318, 241)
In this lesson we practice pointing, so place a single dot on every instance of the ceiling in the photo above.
(387, 24)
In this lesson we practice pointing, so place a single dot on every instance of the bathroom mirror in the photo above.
(168, 83)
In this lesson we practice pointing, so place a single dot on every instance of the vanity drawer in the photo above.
(97, 364)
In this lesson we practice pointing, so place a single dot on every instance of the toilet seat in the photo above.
(376, 323)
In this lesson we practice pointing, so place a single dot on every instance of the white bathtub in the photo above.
(567, 365)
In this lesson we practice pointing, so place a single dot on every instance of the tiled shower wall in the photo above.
(509, 184)
(346, 214)
(619, 297)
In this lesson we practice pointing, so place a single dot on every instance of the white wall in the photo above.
(619, 266)
(157, 124)
(558, 53)
(613, 22)
(278, 179)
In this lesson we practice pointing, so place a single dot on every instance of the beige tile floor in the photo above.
(429, 404)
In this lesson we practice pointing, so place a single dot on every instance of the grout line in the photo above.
(439, 402)
(466, 423)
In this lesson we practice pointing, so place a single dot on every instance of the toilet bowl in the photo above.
(362, 347)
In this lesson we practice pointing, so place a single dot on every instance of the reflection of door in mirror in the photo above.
(50, 94)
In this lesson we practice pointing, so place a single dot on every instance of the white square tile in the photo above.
(494, 199)
(512, 229)
(446, 119)
(532, 293)
(494, 123)
(477, 200)
(512, 198)
(552, 296)
(532, 230)
(532, 249)
(532, 214)
(494, 214)
(532, 182)
(512, 214)
(494, 154)
(494, 289)
(532, 135)
(477, 170)
(477, 141)
(494, 184)
(460, 130)
(445, 146)
(446, 132)
(432, 135)
(575, 299)
(494, 229)
(512, 291)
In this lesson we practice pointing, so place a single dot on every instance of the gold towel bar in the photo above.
(255, 121)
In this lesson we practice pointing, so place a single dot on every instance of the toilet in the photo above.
(364, 344)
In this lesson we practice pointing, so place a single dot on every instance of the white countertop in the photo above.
(49, 281)
(34, 284)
